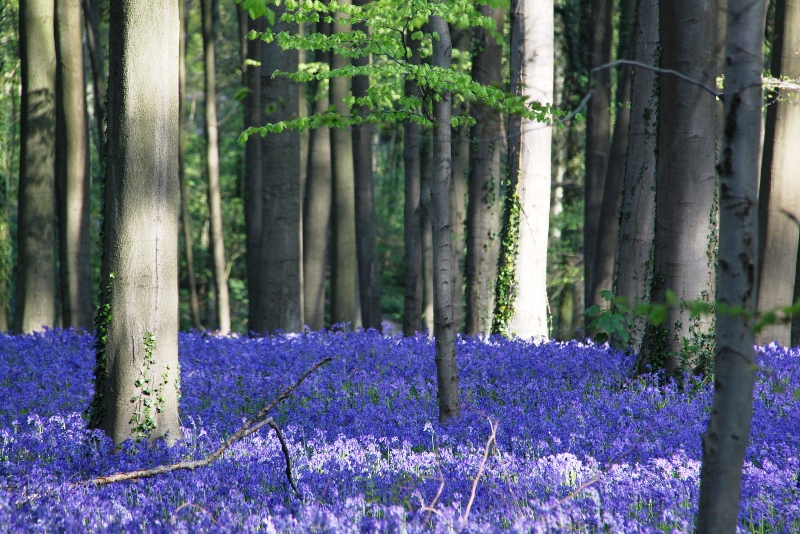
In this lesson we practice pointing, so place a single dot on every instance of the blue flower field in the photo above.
(579, 445)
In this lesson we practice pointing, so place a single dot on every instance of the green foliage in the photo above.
(612, 323)
(150, 397)
(97, 408)
(505, 288)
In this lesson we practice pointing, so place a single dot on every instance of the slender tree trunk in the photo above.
(779, 196)
(634, 270)
(412, 230)
(685, 228)
(218, 264)
(598, 136)
(91, 12)
(136, 379)
(607, 236)
(523, 306)
(426, 183)
(483, 215)
(72, 170)
(725, 441)
(281, 252)
(317, 205)
(443, 326)
(36, 234)
(343, 268)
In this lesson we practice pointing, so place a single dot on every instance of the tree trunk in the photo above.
(343, 268)
(725, 441)
(253, 176)
(634, 270)
(72, 170)
(317, 206)
(779, 195)
(483, 211)
(36, 239)
(598, 136)
(443, 326)
(412, 230)
(524, 305)
(91, 12)
(685, 228)
(136, 378)
(607, 236)
(223, 318)
(281, 252)
(426, 184)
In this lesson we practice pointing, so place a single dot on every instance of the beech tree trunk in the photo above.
(426, 183)
(483, 208)
(344, 261)
(634, 270)
(91, 12)
(136, 378)
(36, 234)
(281, 252)
(686, 228)
(443, 327)
(779, 197)
(317, 206)
(72, 170)
(223, 309)
(725, 441)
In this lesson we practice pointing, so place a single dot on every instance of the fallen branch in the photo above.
(251, 426)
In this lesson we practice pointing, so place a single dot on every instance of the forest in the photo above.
(381, 266)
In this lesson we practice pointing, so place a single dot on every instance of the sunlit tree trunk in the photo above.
(426, 182)
(72, 170)
(281, 251)
(483, 211)
(725, 441)
(343, 268)
(637, 216)
(136, 379)
(779, 197)
(223, 319)
(36, 234)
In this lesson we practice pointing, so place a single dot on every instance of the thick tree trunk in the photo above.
(72, 170)
(136, 379)
(598, 136)
(281, 252)
(343, 268)
(186, 227)
(634, 270)
(366, 237)
(443, 326)
(607, 236)
(779, 196)
(253, 176)
(530, 171)
(685, 231)
(317, 205)
(483, 211)
(36, 234)
(725, 441)
(412, 230)
(218, 264)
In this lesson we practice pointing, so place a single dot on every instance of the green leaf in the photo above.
(657, 314)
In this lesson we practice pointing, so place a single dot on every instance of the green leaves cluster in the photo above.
(150, 398)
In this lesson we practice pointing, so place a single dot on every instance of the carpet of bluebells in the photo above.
(368, 452)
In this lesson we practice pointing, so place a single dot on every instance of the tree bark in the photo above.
(366, 237)
(444, 327)
(253, 176)
(317, 205)
(91, 11)
(72, 170)
(685, 231)
(483, 208)
(426, 185)
(136, 379)
(530, 171)
(779, 197)
(343, 268)
(223, 309)
(412, 229)
(725, 441)
(634, 270)
(36, 234)
(598, 136)
(281, 251)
